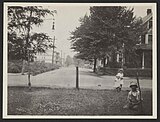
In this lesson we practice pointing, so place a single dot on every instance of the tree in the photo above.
(83, 41)
(21, 20)
(68, 61)
(105, 32)
(118, 27)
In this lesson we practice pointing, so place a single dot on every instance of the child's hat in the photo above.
(121, 69)
(133, 84)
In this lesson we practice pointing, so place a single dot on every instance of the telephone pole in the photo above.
(61, 58)
(64, 59)
(53, 50)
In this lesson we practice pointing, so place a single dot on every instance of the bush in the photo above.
(132, 64)
(114, 65)
(14, 67)
(41, 67)
(35, 67)
(132, 72)
(128, 72)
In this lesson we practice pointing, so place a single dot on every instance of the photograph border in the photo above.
(154, 68)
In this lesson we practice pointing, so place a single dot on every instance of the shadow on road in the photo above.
(90, 73)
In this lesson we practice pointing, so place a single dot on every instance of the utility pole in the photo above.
(64, 59)
(53, 28)
(61, 57)
(53, 51)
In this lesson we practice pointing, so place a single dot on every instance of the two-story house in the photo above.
(145, 47)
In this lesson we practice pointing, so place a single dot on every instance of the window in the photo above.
(150, 24)
(150, 39)
(143, 39)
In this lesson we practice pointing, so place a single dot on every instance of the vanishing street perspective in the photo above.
(79, 60)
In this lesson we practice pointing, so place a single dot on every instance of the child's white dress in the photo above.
(118, 80)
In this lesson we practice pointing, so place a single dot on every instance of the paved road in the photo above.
(65, 77)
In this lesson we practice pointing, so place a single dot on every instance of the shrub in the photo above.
(14, 68)
(41, 67)
(114, 65)
(35, 67)
(128, 72)
(132, 72)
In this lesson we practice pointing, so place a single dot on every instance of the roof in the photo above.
(147, 18)
(144, 47)
(150, 31)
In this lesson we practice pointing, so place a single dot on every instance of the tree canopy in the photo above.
(21, 20)
(106, 30)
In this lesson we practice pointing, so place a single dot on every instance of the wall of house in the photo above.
(47, 57)
(148, 59)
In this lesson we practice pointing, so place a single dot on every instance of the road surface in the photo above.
(66, 77)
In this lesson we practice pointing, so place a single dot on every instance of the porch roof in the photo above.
(144, 47)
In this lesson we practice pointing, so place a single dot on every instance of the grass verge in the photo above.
(58, 101)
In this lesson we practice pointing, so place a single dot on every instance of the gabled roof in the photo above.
(146, 18)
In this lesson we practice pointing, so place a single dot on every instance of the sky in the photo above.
(66, 20)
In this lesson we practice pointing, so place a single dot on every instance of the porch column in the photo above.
(117, 57)
(143, 60)
(146, 39)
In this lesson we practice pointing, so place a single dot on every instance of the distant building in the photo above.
(47, 57)
(57, 58)
(145, 47)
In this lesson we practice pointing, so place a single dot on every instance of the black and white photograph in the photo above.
(79, 60)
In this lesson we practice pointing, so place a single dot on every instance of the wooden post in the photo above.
(77, 78)
(140, 93)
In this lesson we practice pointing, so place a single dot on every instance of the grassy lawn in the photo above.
(60, 101)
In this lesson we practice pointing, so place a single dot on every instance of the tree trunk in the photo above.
(107, 61)
(28, 50)
(95, 64)
(104, 62)
(23, 67)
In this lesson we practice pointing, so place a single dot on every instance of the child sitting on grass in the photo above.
(119, 80)
(133, 97)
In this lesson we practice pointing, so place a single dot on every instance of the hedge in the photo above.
(128, 72)
(35, 67)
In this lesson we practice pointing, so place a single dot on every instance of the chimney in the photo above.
(149, 11)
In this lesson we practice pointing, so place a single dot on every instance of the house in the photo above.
(47, 57)
(144, 49)
(122, 58)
